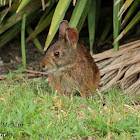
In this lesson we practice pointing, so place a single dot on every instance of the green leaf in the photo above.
(23, 40)
(58, 16)
(129, 14)
(77, 13)
(7, 10)
(46, 11)
(12, 32)
(135, 20)
(15, 18)
(84, 15)
(92, 23)
(116, 23)
(124, 7)
(45, 23)
(4, 2)
(22, 5)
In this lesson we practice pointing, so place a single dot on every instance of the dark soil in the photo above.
(11, 56)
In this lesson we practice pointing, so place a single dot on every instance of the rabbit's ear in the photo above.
(72, 35)
(62, 28)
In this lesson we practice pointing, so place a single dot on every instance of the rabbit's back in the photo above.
(92, 71)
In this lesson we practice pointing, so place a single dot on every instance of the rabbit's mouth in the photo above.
(55, 71)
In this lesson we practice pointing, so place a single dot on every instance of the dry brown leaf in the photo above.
(107, 75)
(19, 59)
(132, 70)
(135, 87)
(120, 68)
(104, 63)
(130, 60)
(74, 2)
(109, 78)
(111, 53)
(114, 80)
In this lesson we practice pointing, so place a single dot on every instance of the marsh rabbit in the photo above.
(70, 67)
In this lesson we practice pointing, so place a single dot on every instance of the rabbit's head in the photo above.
(62, 54)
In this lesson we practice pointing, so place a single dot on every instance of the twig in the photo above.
(23, 75)
(36, 72)
(99, 93)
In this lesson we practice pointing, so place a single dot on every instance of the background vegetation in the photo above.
(51, 12)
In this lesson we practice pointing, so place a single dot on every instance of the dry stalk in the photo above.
(120, 68)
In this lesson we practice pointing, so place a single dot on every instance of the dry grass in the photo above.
(120, 68)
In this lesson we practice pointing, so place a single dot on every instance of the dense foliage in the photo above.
(51, 12)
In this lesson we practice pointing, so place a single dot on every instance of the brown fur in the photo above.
(74, 69)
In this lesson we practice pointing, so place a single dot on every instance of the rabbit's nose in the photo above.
(43, 67)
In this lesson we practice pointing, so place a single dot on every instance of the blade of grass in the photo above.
(58, 16)
(76, 15)
(116, 23)
(3, 15)
(129, 14)
(44, 24)
(124, 7)
(3, 3)
(51, 4)
(15, 18)
(11, 8)
(91, 24)
(22, 5)
(23, 40)
(135, 20)
(84, 15)
(12, 32)
(35, 40)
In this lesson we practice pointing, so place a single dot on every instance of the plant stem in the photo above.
(116, 23)
(23, 40)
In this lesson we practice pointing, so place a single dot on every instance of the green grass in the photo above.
(29, 110)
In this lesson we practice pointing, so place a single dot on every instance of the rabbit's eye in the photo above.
(56, 54)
